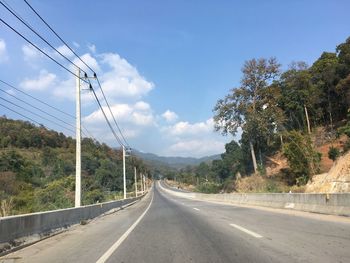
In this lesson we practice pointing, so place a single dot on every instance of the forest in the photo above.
(275, 112)
(37, 169)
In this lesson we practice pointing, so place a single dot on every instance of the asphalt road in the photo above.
(164, 228)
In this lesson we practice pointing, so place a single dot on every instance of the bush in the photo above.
(333, 153)
(302, 158)
(209, 188)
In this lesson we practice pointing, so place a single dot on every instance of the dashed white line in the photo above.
(256, 235)
(196, 208)
(115, 246)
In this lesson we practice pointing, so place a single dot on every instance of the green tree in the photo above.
(299, 97)
(302, 158)
(250, 107)
(325, 79)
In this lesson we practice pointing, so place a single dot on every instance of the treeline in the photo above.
(37, 169)
(278, 111)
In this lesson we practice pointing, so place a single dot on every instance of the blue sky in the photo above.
(164, 64)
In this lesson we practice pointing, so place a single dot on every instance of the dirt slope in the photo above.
(337, 180)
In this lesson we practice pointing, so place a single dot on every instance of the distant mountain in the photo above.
(173, 162)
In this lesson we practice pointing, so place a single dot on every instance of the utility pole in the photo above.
(135, 181)
(78, 143)
(141, 183)
(124, 177)
(144, 183)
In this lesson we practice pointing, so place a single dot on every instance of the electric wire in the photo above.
(36, 33)
(65, 43)
(105, 116)
(43, 102)
(98, 81)
(61, 65)
(39, 49)
(20, 114)
(53, 31)
(38, 115)
(48, 105)
(52, 116)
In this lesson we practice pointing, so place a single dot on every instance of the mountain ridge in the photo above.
(174, 161)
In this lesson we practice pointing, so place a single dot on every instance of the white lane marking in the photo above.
(115, 246)
(256, 235)
(196, 208)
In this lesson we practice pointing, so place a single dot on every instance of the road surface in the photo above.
(164, 228)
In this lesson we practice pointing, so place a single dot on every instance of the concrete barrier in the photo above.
(20, 226)
(334, 204)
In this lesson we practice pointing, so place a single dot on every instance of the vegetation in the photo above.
(37, 169)
(278, 111)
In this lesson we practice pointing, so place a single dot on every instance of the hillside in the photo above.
(37, 169)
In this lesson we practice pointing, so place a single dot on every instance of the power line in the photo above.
(36, 33)
(112, 113)
(38, 115)
(48, 105)
(65, 43)
(27, 103)
(42, 19)
(20, 114)
(105, 116)
(39, 49)
(61, 65)
(43, 102)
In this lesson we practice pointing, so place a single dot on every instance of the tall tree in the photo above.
(299, 97)
(247, 107)
(343, 71)
(325, 79)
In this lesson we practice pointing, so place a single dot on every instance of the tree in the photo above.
(298, 94)
(302, 158)
(250, 107)
(325, 79)
(232, 159)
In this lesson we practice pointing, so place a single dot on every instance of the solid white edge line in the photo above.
(115, 246)
(196, 208)
(246, 231)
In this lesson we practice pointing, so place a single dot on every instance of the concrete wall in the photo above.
(13, 227)
(335, 204)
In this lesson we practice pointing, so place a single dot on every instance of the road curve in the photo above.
(165, 228)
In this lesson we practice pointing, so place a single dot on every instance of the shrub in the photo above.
(209, 188)
(302, 158)
(333, 153)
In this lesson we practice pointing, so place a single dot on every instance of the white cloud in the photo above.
(29, 52)
(170, 116)
(193, 139)
(3, 51)
(196, 148)
(125, 113)
(42, 82)
(184, 128)
(123, 79)
(133, 118)
(119, 79)
(64, 50)
(11, 91)
(92, 48)
(89, 60)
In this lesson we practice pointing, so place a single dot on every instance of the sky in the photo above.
(162, 64)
